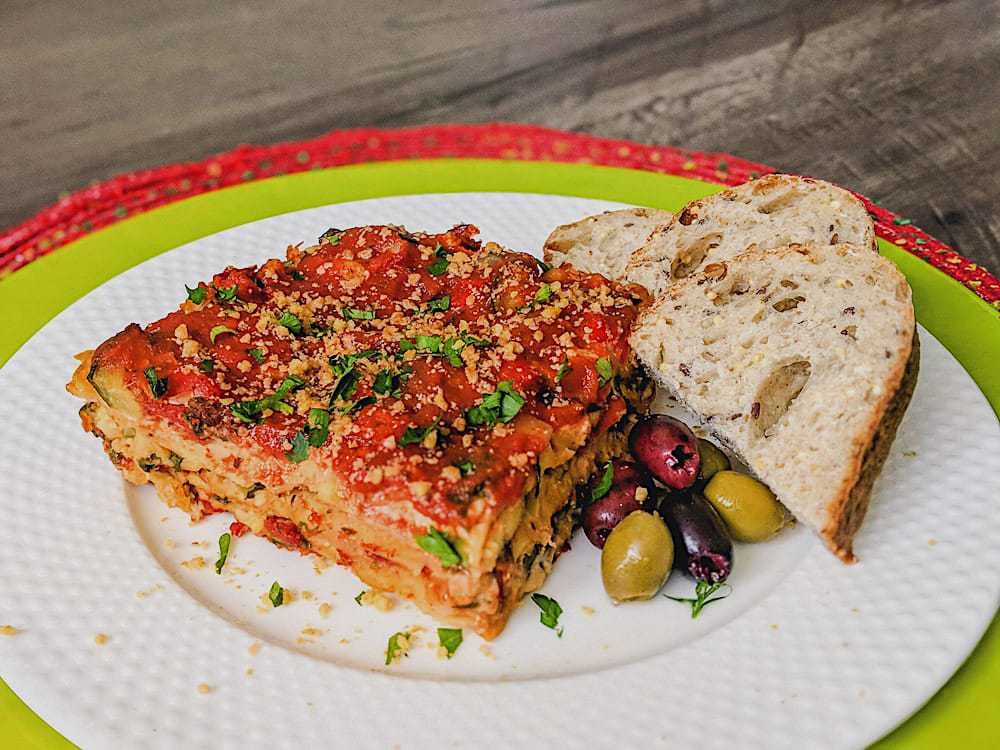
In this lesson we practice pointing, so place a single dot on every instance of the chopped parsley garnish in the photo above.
(415, 435)
(550, 612)
(331, 235)
(500, 406)
(300, 448)
(291, 322)
(359, 597)
(218, 331)
(544, 292)
(466, 467)
(318, 427)
(297, 275)
(224, 541)
(383, 382)
(451, 353)
(226, 294)
(207, 365)
(393, 647)
(157, 385)
(389, 383)
(450, 639)
(176, 461)
(347, 377)
(702, 596)
(478, 343)
(604, 369)
(563, 370)
(543, 265)
(196, 295)
(440, 265)
(251, 411)
(276, 594)
(603, 487)
(257, 354)
(439, 304)
(341, 363)
(345, 386)
(353, 313)
(430, 344)
(440, 546)
(353, 406)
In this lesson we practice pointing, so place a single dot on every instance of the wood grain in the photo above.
(900, 100)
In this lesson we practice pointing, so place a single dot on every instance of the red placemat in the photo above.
(105, 203)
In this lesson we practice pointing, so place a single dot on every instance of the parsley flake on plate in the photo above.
(257, 354)
(465, 467)
(551, 610)
(439, 545)
(396, 647)
(207, 365)
(224, 541)
(157, 385)
(276, 594)
(703, 596)
(450, 639)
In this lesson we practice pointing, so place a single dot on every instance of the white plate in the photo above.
(806, 652)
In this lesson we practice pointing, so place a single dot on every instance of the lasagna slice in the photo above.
(418, 407)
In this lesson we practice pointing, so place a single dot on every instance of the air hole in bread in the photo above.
(778, 203)
(689, 258)
(777, 393)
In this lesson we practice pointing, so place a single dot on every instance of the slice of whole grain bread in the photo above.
(768, 212)
(801, 359)
(603, 243)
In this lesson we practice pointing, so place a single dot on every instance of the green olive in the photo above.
(712, 459)
(750, 510)
(637, 557)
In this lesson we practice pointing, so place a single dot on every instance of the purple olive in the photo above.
(667, 448)
(612, 497)
(701, 545)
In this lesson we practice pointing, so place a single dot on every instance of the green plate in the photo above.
(962, 714)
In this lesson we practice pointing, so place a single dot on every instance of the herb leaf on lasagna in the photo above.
(440, 546)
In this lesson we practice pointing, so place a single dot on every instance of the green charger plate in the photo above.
(962, 714)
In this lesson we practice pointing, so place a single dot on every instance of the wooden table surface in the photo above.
(899, 100)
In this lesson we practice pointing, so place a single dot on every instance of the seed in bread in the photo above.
(768, 212)
(602, 244)
(801, 359)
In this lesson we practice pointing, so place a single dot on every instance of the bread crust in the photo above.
(848, 510)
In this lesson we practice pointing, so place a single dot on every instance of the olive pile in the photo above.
(679, 505)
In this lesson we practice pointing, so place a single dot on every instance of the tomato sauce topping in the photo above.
(426, 368)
